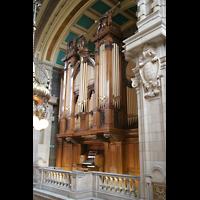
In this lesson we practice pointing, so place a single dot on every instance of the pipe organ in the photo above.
(97, 108)
(102, 76)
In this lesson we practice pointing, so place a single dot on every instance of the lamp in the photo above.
(41, 91)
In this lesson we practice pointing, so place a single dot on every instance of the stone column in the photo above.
(59, 152)
(151, 118)
(146, 49)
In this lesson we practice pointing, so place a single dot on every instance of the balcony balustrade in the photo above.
(78, 184)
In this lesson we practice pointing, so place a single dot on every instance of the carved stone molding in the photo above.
(149, 66)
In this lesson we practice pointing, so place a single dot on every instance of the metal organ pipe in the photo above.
(83, 86)
(63, 93)
(60, 101)
(132, 113)
(102, 76)
(115, 76)
(67, 99)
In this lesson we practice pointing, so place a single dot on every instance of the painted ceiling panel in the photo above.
(134, 9)
(120, 19)
(92, 46)
(85, 22)
(60, 56)
(101, 7)
(70, 36)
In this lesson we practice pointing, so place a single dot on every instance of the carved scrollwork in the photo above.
(149, 65)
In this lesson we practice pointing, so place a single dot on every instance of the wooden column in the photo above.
(75, 154)
(109, 108)
(106, 157)
(67, 156)
(59, 152)
(71, 120)
(63, 120)
(113, 157)
(120, 157)
(96, 113)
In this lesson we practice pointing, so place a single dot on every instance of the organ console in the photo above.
(92, 162)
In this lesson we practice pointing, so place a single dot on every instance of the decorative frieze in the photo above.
(159, 192)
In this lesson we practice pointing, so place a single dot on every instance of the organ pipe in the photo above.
(91, 106)
(60, 101)
(115, 76)
(67, 101)
(102, 76)
(83, 86)
(77, 110)
(63, 92)
(132, 112)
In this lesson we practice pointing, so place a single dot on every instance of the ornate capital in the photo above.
(108, 46)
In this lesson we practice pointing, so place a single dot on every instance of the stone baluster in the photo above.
(54, 178)
(61, 179)
(138, 192)
(116, 181)
(120, 184)
(68, 181)
(125, 185)
(111, 183)
(101, 182)
(51, 177)
(46, 176)
(107, 182)
(64, 180)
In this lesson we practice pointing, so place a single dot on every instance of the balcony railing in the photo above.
(78, 184)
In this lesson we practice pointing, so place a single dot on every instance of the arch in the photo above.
(158, 174)
(62, 20)
(40, 162)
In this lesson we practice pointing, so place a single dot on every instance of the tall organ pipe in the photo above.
(83, 86)
(102, 76)
(67, 98)
(60, 101)
(115, 76)
(63, 93)
(132, 112)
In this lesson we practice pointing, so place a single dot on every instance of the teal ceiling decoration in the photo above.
(60, 56)
(85, 22)
(133, 9)
(70, 36)
(120, 19)
(91, 46)
(101, 7)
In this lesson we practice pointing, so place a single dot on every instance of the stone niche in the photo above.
(156, 183)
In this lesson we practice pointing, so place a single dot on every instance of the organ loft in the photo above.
(98, 107)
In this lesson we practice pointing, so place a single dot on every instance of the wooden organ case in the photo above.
(93, 105)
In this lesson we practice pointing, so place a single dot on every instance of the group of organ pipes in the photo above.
(97, 106)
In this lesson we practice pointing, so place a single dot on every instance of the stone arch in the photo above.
(158, 174)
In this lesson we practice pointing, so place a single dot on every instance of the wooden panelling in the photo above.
(132, 164)
(67, 157)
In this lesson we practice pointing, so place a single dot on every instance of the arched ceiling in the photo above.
(58, 21)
